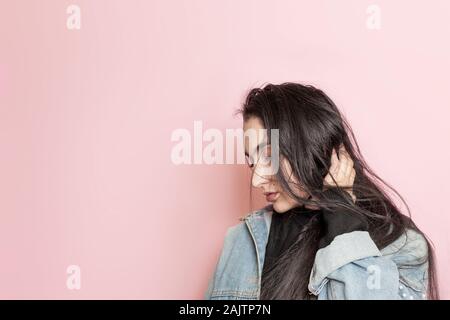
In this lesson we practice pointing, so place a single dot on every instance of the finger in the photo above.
(349, 158)
(348, 182)
(341, 148)
(328, 180)
(348, 166)
(343, 155)
(343, 164)
(351, 166)
(336, 171)
(334, 163)
(337, 166)
(352, 177)
(331, 170)
(348, 163)
(334, 158)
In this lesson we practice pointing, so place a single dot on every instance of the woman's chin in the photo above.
(280, 207)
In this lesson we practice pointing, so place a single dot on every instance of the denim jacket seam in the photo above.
(333, 292)
(239, 293)
(319, 287)
(410, 285)
(243, 292)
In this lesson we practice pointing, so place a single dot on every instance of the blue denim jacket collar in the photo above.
(258, 224)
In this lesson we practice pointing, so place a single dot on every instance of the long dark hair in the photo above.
(310, 126)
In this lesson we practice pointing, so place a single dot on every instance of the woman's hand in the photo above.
(342, 171)
(339, 220)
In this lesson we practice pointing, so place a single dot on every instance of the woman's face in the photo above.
(263, 177)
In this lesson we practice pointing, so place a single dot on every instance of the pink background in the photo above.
(86, 118)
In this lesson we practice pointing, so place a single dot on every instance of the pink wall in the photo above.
(86, 118)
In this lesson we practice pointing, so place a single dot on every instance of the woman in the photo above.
(330, 230)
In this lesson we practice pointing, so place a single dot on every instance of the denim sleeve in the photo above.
(352, 267)
(211, 281)
(371, 278)
(207, 294)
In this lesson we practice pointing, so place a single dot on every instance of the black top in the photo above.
(284, 230)
(286, 227)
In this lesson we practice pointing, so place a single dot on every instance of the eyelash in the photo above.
(248, 162)
(263, 156)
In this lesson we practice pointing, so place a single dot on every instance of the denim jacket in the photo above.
(350, 267)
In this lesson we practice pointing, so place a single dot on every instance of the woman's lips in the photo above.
(272, 196)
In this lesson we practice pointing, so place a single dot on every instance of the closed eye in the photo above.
(249, 161)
